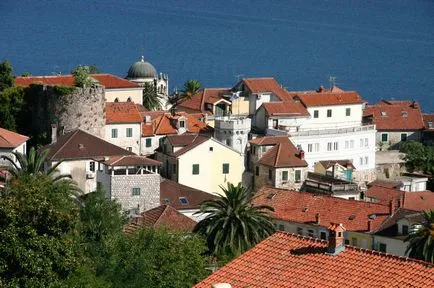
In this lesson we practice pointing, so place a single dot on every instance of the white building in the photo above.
(233, 130)
(11, 142)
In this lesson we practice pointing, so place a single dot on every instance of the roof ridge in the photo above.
(66, 142)
(166, 207)
(277, 154)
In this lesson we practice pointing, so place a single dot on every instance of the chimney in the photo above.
(301, 154)
(317, 218)
(221, 285)
(336, 242)
(53, 133)
(369, 225)
(392, 206)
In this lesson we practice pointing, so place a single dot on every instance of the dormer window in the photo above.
(404, 114)
(430, 126)
(182, 124)
(383, 113)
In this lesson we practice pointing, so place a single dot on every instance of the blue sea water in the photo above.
(382, 49)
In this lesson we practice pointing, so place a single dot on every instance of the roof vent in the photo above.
(80, 146)
(305, 209)
(383, 113)
(271, 196)
(352, 217)
(372, 216)
(404, 114)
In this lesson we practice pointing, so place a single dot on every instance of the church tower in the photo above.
(233, 131)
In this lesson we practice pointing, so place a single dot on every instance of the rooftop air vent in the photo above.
(305, 209)
(271, 196)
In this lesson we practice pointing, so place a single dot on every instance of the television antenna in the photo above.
(332, 80)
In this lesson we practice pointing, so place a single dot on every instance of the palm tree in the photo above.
(421, 239)
(233, 224)
(191, 87)
(151, 100)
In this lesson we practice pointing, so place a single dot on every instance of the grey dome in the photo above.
(142, 69)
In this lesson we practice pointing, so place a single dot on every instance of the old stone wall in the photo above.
(82, 109)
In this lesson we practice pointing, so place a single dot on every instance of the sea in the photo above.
(382, 49)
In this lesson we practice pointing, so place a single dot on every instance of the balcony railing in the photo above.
(316, 132)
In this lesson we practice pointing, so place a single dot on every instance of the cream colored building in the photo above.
(200, 162)
(128, 94)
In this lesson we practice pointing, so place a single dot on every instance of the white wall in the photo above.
(155, 143)
(79, 169)
(123, 94)
(122, 140)
(393, 245)
(9, 153)
(338, 119)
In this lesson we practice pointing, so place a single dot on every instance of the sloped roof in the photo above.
(386, 184)
(131, 160)
(419, 201)
(289, 260)
(267, 84)
(165, 124)
(107, 80)
(171, 192)
(122, 112)
(383, 194)
(302, 207)
(329, 163)
(164, 216)
(395, 115)
(427, 120)
(313, 99)
(207, 95)
(10, 139)
(269, 140)
(284, 154)
(287, 108)
(81, 145)
(196, 141)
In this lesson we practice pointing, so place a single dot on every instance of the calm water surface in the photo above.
(382, 49)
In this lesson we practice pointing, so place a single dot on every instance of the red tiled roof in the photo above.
(207, 95)
(395, 116)
(159, 217)
(165, 124)
(193, 144)
(427, 119)
(329, 163)
(81, 145)
(386, 184)
(107, 80)
(301, 207)
(261, 85)
(289, 260)
(418, 201)
(130, 160)
(122, 112)
(11, 140)
(383, 194)
(171, 191)
(312, 99)
(284, 154)
(287, 108)
(269, 140)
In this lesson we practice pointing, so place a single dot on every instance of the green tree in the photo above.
(191, 87)
(92, 69)
(37, 220)
(81, 76)
(421, 239)
(155, 258)
(233, 224)
(6, 75)
(11, 105)
(151, 100)
(418, 157)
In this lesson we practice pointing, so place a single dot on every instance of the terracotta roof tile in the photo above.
(313, 99)
(329, 163)
(269, 140)
(428, 120)
(289, 260)
(130, 160)
(162, 216)
(399, 116)
(107, 80)
(287, 108)
(122, 112)
(386, 184)
(171, 192)
(283, 154)
(418, 201)
(81, 145)
(207, 95)
(261, 85)
(10, 139)
(302, 207)
(165, 124)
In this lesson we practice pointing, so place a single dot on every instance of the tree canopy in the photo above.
(7, 78)
(419, 157)
(151, 100)
(421, 239)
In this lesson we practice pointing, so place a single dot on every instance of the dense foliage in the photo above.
(419, 157)
(81, 76)
(421, 239)
(233, 224)
(151, 100)
(6, 75)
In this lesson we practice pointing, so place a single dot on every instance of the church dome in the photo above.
(142, 69)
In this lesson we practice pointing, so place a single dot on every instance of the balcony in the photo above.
(317, 132)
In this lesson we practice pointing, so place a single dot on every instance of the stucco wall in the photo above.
(240, 106)
(338, 118)
(136, 95)
(78, 170)
(393, 246)
(155, 143)
(394, 139)
(122, 140)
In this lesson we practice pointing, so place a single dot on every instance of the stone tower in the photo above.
(233, 131)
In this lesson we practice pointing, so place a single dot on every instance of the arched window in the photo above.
(116, 99)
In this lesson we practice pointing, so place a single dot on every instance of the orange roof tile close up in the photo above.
(268, 84)
(107, 80)
(283, 154)
(287, 108)
(313, 99)
(122, 112)
(289, 260)
(395, 115)
(302, 207)
(10, 139)
(208, 95)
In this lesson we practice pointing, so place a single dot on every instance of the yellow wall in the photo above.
(210, 167)
(123, 94)
(240, 106)
(359, 237)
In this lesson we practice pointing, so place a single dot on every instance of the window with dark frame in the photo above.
(92, 166)
(129, 132)
(195, 169)
(403, 136)
(297, 176)
(382, 247)
(384, 137)
(404, 229)
(284, 175)
(315, 113)
(348, 112)
(329, 113)
(148, 142)
(257, 171)
(114, 133)
(270, 174)
(135, 191)
(225, 168)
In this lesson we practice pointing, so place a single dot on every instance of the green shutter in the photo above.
(195, 169)
(285, 175)
(225, 168)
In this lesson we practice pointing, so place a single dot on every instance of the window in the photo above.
(361, 161)
(281, 227)
(148, 142)
(257, 171)
(315, 113)
(264, 149)
(211, 149)
(384, 137)
(335, 146)
(366, 160)
(297, 176)
(195, 169)
(366, 143)
(361, 143)
(181, 124)
(309, 147)
(404, 230)
(115, 133)
(270, 174)
(129, 149)
(329, 113)
(174, 168)
(382, 247)
(403, 136)
(316, 147)
(299, 231)
(92, 166)
(346, 241)
(329, 146)
(183, 200)
(228, 142)
(430, 126)
(285, 175)
(351, 144)
(348, 112)
(225, 168)
(310, 232)
(323, 235)
(129, 132)
(354, 241)
(135, 192)
(129, 99)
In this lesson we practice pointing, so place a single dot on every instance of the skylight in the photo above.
(183, 200)
(383, 113)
